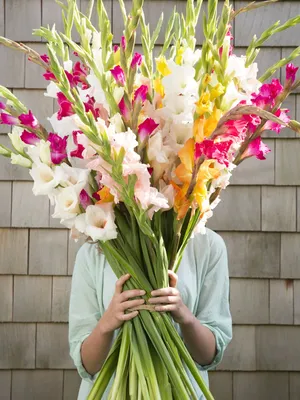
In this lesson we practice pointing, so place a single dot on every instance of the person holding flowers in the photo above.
(136, 161)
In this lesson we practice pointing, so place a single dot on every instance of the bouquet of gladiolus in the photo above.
(139, 153)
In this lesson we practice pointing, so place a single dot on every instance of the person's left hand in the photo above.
(169, 299)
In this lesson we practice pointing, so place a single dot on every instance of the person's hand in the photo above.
(115, 315)
(169, 299)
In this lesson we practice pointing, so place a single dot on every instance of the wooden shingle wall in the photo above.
(259, 218)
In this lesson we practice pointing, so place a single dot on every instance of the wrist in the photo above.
(103, 328)
(188, 317)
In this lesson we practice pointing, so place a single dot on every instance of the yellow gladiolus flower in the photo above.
(158, 87)
(206, 80)
(105, 196)
(217, 91)
(204, 105)
(179, 56)
(162, 66)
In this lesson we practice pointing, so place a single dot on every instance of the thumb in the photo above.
(173, 278)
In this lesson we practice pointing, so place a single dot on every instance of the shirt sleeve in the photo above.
(213, 306)
(84, 308)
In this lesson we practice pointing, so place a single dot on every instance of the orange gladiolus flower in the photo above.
(184, 173)
(105, 196)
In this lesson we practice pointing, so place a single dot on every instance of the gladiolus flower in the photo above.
(146, 128)
(29, 138)
(58, 148)
(291, 71)
(116, 48)
(256, 148)
(8, 119)
(124, 109)
(65, 105)
(28, 120)
(204, 105)
(49, 76)
(136, 60)
(118, 75)
(141, 93)
(123, 42)
(274, 126)
(105, 196)
(85, 199)
(2, 106)
(162, 66)
(267, 94)
(100, 223)
(78, 153)
(45, 58)
(214, 151)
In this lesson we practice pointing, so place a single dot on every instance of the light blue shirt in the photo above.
(203, 283)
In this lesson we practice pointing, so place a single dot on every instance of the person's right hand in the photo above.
(114, 317)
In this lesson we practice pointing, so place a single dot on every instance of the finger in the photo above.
(129, 316)
(170, 291)
(131, 304)
(168, 307)
(127, 294)
(165, 299)
(173, 278)
(120, 283)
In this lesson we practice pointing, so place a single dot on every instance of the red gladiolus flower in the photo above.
(65, 105)
(58, 148)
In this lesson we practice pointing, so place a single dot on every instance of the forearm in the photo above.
(95, 349)
(199, 340)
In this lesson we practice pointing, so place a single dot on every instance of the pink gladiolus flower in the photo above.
(273, 126)
(2, 106)
(58, 148)
(79, 73)
(141, 93)
(123, 42)
(235, 130)
(49, 76)
(252, 122)
(136, 60)
(45, 58)
(291, 71)
(146, 128)
(116, 48)
(256, 148)
(90, 106)
(65, 109)
(214, 151)
(29, 137)
(71, 79)
(118, 75)
(28, 120)
(85, 199)
(8, 119)
(124, 109)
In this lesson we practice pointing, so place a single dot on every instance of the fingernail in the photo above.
(142, 292)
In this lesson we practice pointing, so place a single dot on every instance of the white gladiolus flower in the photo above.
(20, 160)
(15, 138)
(67, 203)
(40, 153)
(73, 176)
(45, 179)
(181, 80)
(100, 223)
(65, 126)
(68, 65)
(52, 90)
(96, 90)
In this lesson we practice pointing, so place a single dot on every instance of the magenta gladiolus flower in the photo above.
(123, 42)
(215, 151)
(29, 137)
(267, 94)
(85, 199)
(65, 105)
(8, 119)
(45, 58)
(291, 71)
(58, 147)
(28, 120)
(116, 48)
(273, 126)
(70, 78)
(2, 106)
(141, 93)
(256, 148)
(49, 76)
(80, 148)
(124, 109)
(146, 128)
(118, 75)
(136, 60)
(80, 72)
